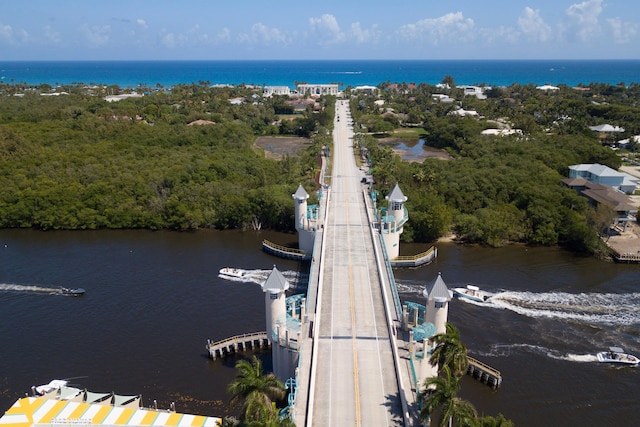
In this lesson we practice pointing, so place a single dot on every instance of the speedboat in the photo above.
(72, 292)
(232, 272)
(472, 293)
(48, 388)
(616, 355)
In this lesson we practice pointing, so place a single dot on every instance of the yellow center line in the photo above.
(356, 372)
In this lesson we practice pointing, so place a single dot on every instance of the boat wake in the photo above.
(505, 350)
(607, 309)
(296, 279)
(589, 308)
(27, 289)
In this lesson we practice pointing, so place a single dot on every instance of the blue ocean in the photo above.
(346, 73)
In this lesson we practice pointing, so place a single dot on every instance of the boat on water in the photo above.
(41, 390)
(472, 293)
(232, 272)
(616, 355)
(72, 292)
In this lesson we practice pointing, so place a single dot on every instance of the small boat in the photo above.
(616, 355)
(233, 272)
(72, 292)
(472, 293)
(41, 390)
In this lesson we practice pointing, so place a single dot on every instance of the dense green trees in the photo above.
(78, 162)
(500, 189)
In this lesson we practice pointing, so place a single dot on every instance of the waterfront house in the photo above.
(605, 186)
(600, 174)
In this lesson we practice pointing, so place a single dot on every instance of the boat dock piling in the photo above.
(484, 373)
(237, 343)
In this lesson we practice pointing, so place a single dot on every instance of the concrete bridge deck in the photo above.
(351, 372)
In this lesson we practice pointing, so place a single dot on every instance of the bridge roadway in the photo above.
(350, 375)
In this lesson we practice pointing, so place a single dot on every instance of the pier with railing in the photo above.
(236, 343)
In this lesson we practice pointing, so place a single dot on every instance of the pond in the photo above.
(417, 151)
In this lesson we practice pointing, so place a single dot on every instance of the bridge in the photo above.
(354, 364)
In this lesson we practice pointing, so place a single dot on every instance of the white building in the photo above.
(269, 91)
(318, 89)
(371, 90)
(476, 91)
(464, 113)
(116, 98)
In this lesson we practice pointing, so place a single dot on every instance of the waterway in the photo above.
(154, 298)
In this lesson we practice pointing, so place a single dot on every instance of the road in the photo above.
(355, 381)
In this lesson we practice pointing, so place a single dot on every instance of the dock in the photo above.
(415, 260)
(484, 373)
(285, 252)
(237, 343)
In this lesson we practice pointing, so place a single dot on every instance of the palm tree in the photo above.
(228, 422)
(440, 395)
(268, 418)
(499, 421)
(450, 351)
(257, 391)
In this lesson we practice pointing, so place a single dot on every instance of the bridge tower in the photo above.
(391, 224)
(306, 219)
(438, 297)
(437, 311)
(282, 334)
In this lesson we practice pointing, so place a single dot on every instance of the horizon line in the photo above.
(321, 60)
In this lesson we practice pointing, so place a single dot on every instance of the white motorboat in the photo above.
(472, 293)
(48, 388)
(232, 272)
(616, 355)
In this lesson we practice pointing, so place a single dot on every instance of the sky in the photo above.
(318, 29)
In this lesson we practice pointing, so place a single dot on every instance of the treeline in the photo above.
(78, 162)
(499, 189)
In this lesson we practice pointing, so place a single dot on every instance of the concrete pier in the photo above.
(484, 373)
(237, 343)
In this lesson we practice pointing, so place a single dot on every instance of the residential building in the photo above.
(601, 174)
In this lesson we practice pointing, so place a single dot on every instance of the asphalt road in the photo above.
(355, 382)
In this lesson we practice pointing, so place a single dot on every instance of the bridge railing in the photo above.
(392, 279)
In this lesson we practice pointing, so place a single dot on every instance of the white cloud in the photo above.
(623, 32)
(224, 35)
(326, 30)
(360, 35)
(50, 35)
(171, 40)
(14, 37)
(583, 20)
(142, 23)
(6, 32)
(262, 34)
(533, 26)
(96, 35)
(449, 27)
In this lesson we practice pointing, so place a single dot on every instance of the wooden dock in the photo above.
(484, 373)
(237, 343)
